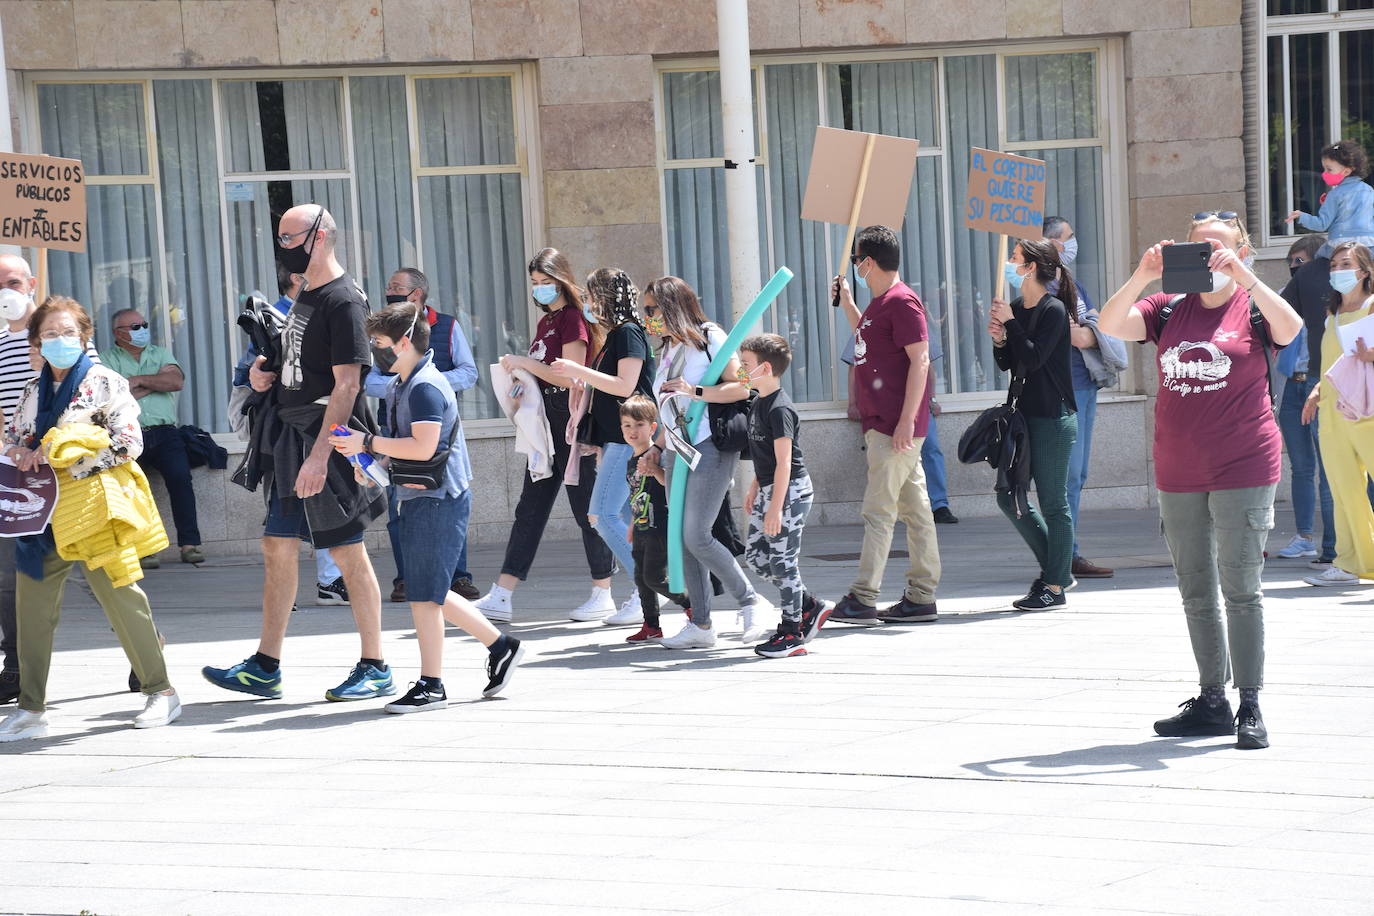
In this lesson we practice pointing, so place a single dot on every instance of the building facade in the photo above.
(460, 136)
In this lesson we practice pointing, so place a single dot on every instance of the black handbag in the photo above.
(984, 438)
(429, 473)
(729, 422)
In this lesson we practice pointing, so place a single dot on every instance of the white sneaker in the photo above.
(758, 620)
(1334, 575)
(1298, 548)
(630, 613)
(599, 606)
(495, 604)
(690, 637)
(161, 709)
(22, 724)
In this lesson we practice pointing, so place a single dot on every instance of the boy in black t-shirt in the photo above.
(649, 516)
(773, 546)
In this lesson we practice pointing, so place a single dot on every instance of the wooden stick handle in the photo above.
(42, 267)
(854, 209)
(1001, 271)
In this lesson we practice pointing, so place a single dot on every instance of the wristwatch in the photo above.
(367, 443)
(699, 393)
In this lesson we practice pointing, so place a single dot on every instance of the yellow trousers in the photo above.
(1348, 456)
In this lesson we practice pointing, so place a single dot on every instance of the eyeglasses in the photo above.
(284, 239)
(58, 334)
(1224, 215)
(134, 327)
(856, 258)
(393, 289)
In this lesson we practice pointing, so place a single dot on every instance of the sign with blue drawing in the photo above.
(1006, 194)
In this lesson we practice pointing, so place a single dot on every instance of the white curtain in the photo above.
(382, 168)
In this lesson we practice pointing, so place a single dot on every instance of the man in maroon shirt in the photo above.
(891, 370)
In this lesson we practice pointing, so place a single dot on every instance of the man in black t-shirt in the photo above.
(325, 354)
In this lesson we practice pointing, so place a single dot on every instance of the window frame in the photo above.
(1111, 138)
(525, 107)
(1332, 24)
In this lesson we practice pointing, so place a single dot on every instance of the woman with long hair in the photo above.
(624, 366)
(1217, 454)
(1031, 340)
(563, 333)
(1347, 445)
(673, 313)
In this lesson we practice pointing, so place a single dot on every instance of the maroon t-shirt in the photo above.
(1214, 427)
(892, 322)
(557, 329)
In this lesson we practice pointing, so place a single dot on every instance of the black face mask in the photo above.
(297, 260)
(393, 298)
(383, 358)
(1293, 269)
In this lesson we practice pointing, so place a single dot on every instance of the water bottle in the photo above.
(363, 461)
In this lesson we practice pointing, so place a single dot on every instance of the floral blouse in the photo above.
(102, 399)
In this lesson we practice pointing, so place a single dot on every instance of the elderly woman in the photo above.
(1217, 453)
(74, 395)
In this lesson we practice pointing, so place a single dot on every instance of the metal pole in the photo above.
(6, 129)
(737, 123)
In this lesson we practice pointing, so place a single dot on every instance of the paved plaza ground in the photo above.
(991, 762)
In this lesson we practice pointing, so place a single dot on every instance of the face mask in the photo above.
(1014, 279)
(544, 293)
(655, 325)
(588, 314)
(863, 283)
(745, 377)
(140, 337)
(1070, 252)
(1219, 281)
(1332, 178)
(13, 304)
(1293, 269)
(393, 298)
(297, 259)
(1343, 281)
(63, 352)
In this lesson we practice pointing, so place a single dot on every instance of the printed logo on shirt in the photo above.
(293, 337)
(538, 350)
(860, 345)
(1197, 374)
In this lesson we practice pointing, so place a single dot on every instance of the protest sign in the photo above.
(42, 202)
(27, 499)
(1006, 194)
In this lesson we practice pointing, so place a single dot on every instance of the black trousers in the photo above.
(650, 551)
(164, 451)
(538, 496)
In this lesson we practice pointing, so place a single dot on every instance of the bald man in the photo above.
(313, 495)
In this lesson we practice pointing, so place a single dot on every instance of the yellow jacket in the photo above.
(107, 519)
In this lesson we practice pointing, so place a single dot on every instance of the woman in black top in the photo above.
(1031, 339)
(624, 366)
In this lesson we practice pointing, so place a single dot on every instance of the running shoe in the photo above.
(364, 682)
(246, 677)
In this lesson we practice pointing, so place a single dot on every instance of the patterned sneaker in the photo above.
(786, 642)
(501, 664)
(646, 634)
(364, 682)
(1298, 548)
(419, 698)
(246, 677)
(335, 593)
(815, 613)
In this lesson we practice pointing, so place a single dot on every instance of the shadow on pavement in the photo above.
(1108, 759)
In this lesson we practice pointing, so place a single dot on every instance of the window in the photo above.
(1045, 104)
(1319, 88)
(188, 177)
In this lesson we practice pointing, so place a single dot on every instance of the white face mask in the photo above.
(13, 304)
(1219, 281)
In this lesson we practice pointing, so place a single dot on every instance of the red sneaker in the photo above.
(646, 634)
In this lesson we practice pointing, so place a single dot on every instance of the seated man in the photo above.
(154, 378)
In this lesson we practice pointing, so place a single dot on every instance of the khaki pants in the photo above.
(896, 490)
(40, 606)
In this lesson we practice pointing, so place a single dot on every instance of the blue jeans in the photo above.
(611, 503)
(459, 533)
(326, 570)
(1082, 452)
(933, 461)
(1304, 457)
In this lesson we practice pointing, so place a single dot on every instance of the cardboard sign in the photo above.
(1006, 194)
(27, 499)
(833, 180)
(42, 202)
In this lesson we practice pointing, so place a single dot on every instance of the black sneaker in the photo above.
(852, 610)
(398, 590)
(465, 589)
(908, 611)
(1250, 731)
(1197, 719)
(501, 664)
(419, 698)
(333, 593)
(135, 685)
(9, 687)
(815, 613)
(1040, 598)
(786, 642)
(945, 517)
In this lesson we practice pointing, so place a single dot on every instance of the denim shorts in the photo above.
(428, 535)
(279, 524)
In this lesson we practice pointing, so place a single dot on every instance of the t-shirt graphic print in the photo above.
(1195, 366)
(293, 337)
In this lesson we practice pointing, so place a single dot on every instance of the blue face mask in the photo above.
(587, 313)
(1343, 281)
(863, 284)
(140, 337)
(1070, 252)
(1014, 279)
(63, 352)
(545, 293)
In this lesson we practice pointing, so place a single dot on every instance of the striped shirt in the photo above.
(15, 371)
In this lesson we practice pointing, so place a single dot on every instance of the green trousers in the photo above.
(40, 605)
(1049, 531)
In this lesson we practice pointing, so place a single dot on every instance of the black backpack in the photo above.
(1258, 326)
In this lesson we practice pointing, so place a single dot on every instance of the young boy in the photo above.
(649, 512)
(780, 496)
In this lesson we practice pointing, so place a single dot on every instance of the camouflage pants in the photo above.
(777, 559)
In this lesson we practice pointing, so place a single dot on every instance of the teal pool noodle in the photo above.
(677, 492)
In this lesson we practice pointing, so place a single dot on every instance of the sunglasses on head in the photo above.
(1225, 215)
